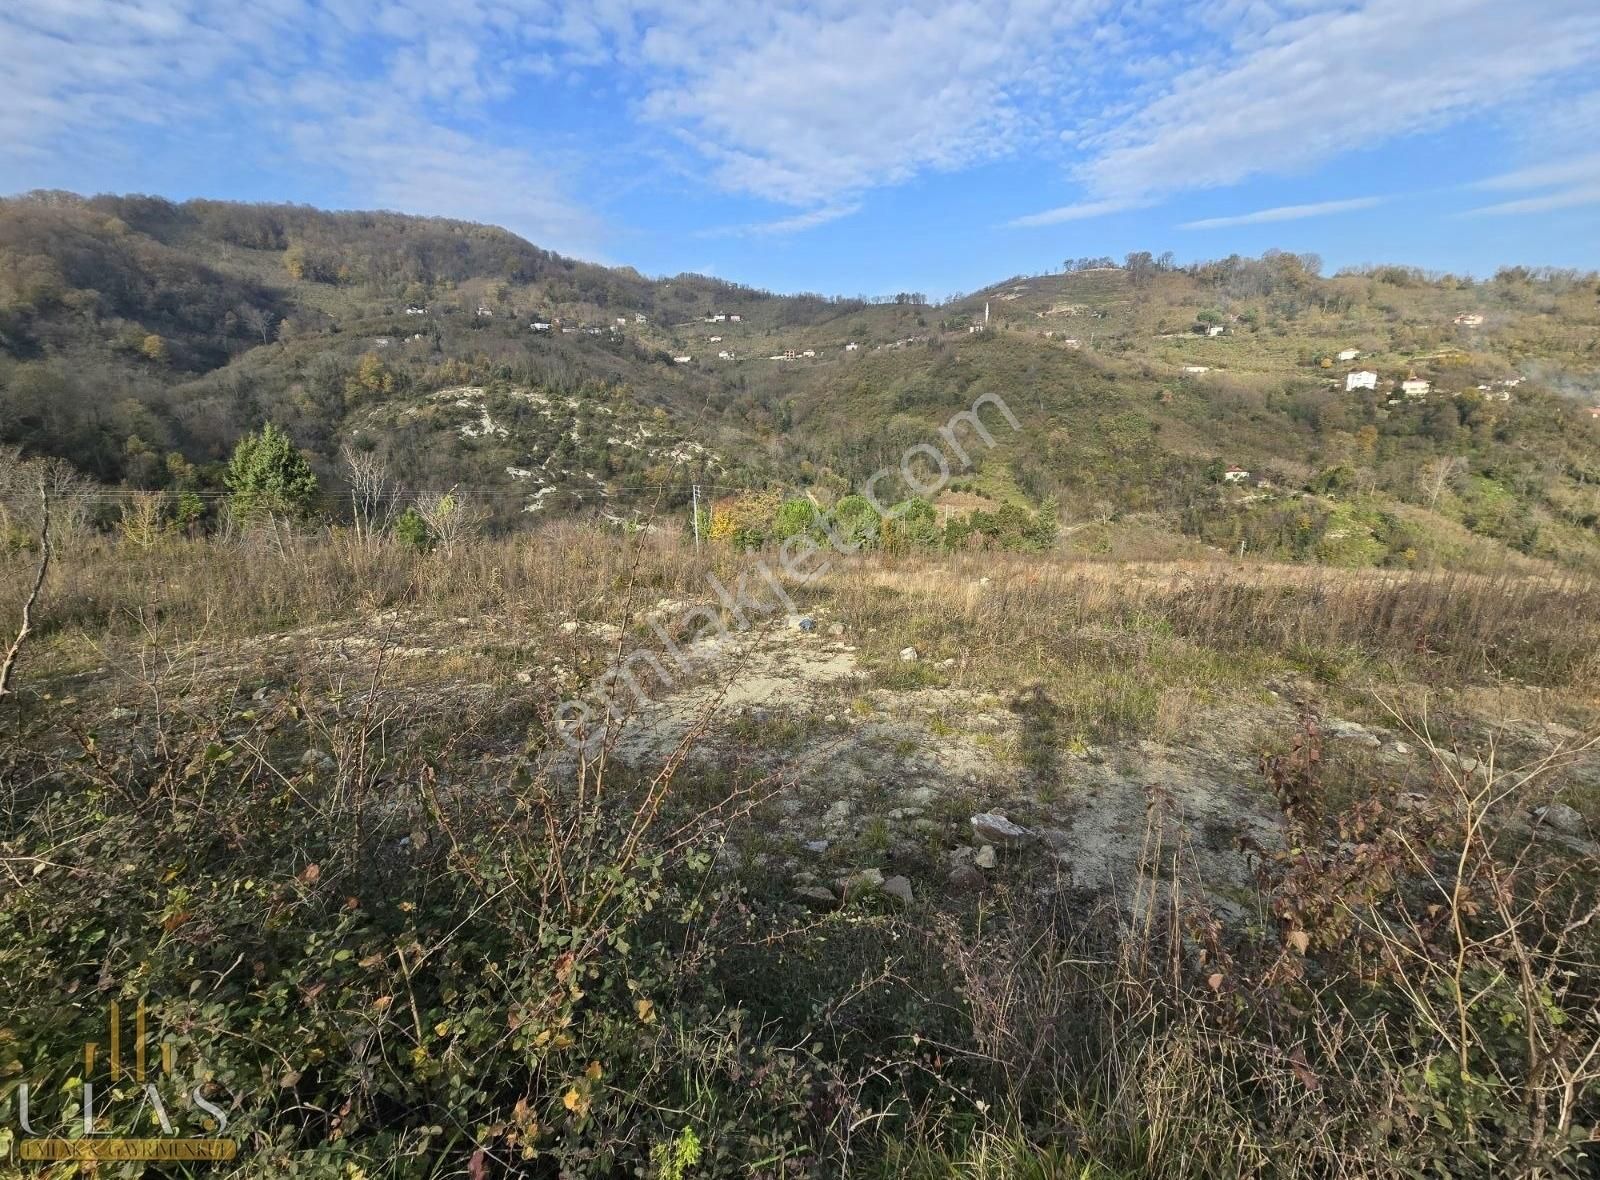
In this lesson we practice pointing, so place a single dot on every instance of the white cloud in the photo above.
(808, 104)
(1321, 79)
(1544, 175)
(417, 167)
(1575, 181)
(295, 75)
(798, 223)
(1336, 81)
(1570, 198)
(1286, 213)
(811, 104)
(1081, 211)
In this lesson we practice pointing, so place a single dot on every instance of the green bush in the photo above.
(855, 522)
(412, 531)
(268, 476)
(794, 517)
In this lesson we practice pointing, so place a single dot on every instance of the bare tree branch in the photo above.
(8, 666)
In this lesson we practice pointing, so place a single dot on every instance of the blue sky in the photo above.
(846, 147)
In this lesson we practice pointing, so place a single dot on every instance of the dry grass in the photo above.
(1417, 992)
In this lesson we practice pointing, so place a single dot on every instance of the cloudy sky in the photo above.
(858, 147)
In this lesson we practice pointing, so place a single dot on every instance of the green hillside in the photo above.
(141, 339)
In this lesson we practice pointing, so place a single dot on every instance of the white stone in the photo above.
(993, 828)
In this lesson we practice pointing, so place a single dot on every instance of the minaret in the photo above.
(985, 313)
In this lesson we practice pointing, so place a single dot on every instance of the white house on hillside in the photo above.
(852, 346)
(1235, 475)
(1349, 354)
(1361, 379)
(413, 309)
(540, 326)
(733, 319)
(682, 360)
(1415, 387)
(1470, 319)
(724, 355)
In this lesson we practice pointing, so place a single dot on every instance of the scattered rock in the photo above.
(570, 627)
(315, 759)
(1351, 731)
(818, 846)
(804, 623)
(898, 887)
(120, 714)
(836, 629)
(965, 879)
(817, 895)
(950, 662)
(1560, 818)
(985, 858)
(524, 677)
(838, 812)
(993, 828)
(866, 881)
(1401, 748)
(908, 654)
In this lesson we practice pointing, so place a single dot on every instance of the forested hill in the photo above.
(141, 339)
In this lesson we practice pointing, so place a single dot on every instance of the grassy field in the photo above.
(1285, 904)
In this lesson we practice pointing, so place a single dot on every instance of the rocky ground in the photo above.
(912, 791)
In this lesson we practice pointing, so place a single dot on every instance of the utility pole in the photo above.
(695, 509)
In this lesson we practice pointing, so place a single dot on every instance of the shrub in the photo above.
(794, 517)
(855, 522)
(411, 530)
(268, 476)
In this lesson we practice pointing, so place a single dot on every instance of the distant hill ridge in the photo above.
(140, 338)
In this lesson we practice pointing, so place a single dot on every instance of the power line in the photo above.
(410, 493)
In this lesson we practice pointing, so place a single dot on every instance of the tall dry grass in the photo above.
(1455, 625)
